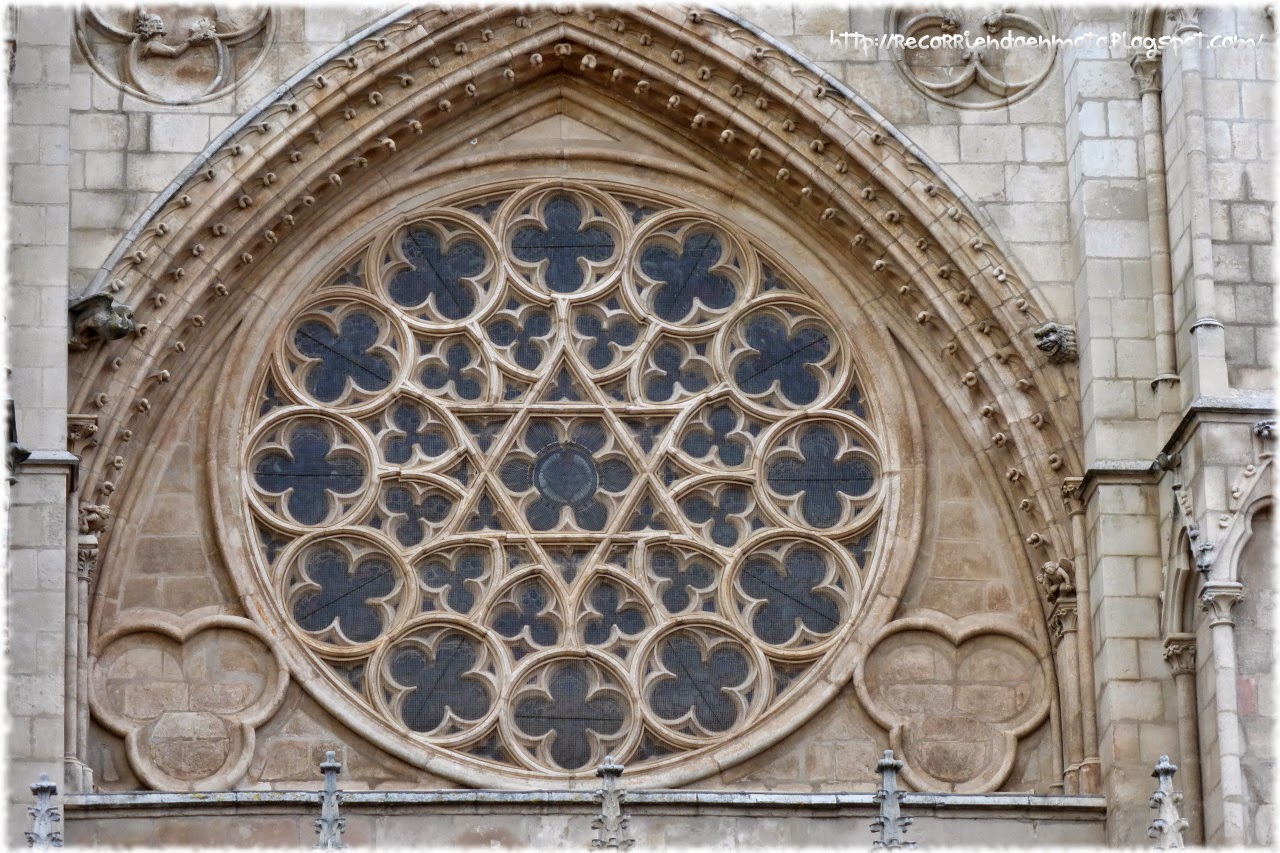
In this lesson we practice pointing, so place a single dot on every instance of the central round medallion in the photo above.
(565, 474)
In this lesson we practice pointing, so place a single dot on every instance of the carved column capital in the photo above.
(1064, 618)
(1146, 72)
(1217, 598)
(1180, 653)
(1073, 494)
(81, 432)
(1186, 19)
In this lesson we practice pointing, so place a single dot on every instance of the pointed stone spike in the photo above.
(611, 825)
(891, 826)
(329, 825)
(1169, 824)
(44, 815)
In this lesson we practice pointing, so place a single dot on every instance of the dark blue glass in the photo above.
(526, 339)
(629, 619)
(670, 359)
(563, 243)
(342, 356)
(685, 277)
(312, 473)
(345, 594)
(609, 337)
(408, 420)
(532, 599)
(452, 576)
(821, 477)
(566, 475)
(415, 516)
(701, 684)
(439, 274)
(782, 358)
(571, 715)
(441, 683)
(458, 358)
(700, 441)
(686, 580)
(790, 595)
(733, 501)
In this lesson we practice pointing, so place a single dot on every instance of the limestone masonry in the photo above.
(569, 426)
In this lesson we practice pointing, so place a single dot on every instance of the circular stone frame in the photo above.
(290, 276)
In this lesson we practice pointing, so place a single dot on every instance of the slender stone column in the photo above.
(1090, 775)
(1180, 653)
(1209, 347)
(1218, 597)
(1063, 623)
(1146, 71)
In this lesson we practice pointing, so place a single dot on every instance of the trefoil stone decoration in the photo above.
(99, 318)
(329, 824)
(1168, 825)
(1058, 342)
(611, 825)
(973, 58)
(175, 54)
(44, 815)
(890, 825)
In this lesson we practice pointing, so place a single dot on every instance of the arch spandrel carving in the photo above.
(814, 163)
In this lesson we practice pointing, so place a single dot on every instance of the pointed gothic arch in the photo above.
(384, 116)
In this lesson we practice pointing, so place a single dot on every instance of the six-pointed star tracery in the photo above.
(564, 473)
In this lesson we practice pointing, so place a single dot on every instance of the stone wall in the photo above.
(1088, 178)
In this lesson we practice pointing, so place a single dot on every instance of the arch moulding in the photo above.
(938, 276)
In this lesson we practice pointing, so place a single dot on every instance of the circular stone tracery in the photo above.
(615, 492)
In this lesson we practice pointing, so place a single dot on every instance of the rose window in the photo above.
(554, 473)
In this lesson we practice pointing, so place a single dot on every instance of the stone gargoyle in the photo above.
(99, 318)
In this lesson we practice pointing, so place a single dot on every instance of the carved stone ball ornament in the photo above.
(953, 68)
(555, 473)
(175, 54)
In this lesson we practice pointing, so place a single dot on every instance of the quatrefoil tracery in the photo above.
(592, 470)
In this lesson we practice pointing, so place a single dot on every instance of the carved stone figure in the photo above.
(1056, 578)
(100, 318)
(93, 518)
(1058, 341)
(175, 54)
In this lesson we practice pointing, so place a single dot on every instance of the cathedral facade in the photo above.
(504, 404)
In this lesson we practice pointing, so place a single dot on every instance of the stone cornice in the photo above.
(1241, 407)
(650, 801)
